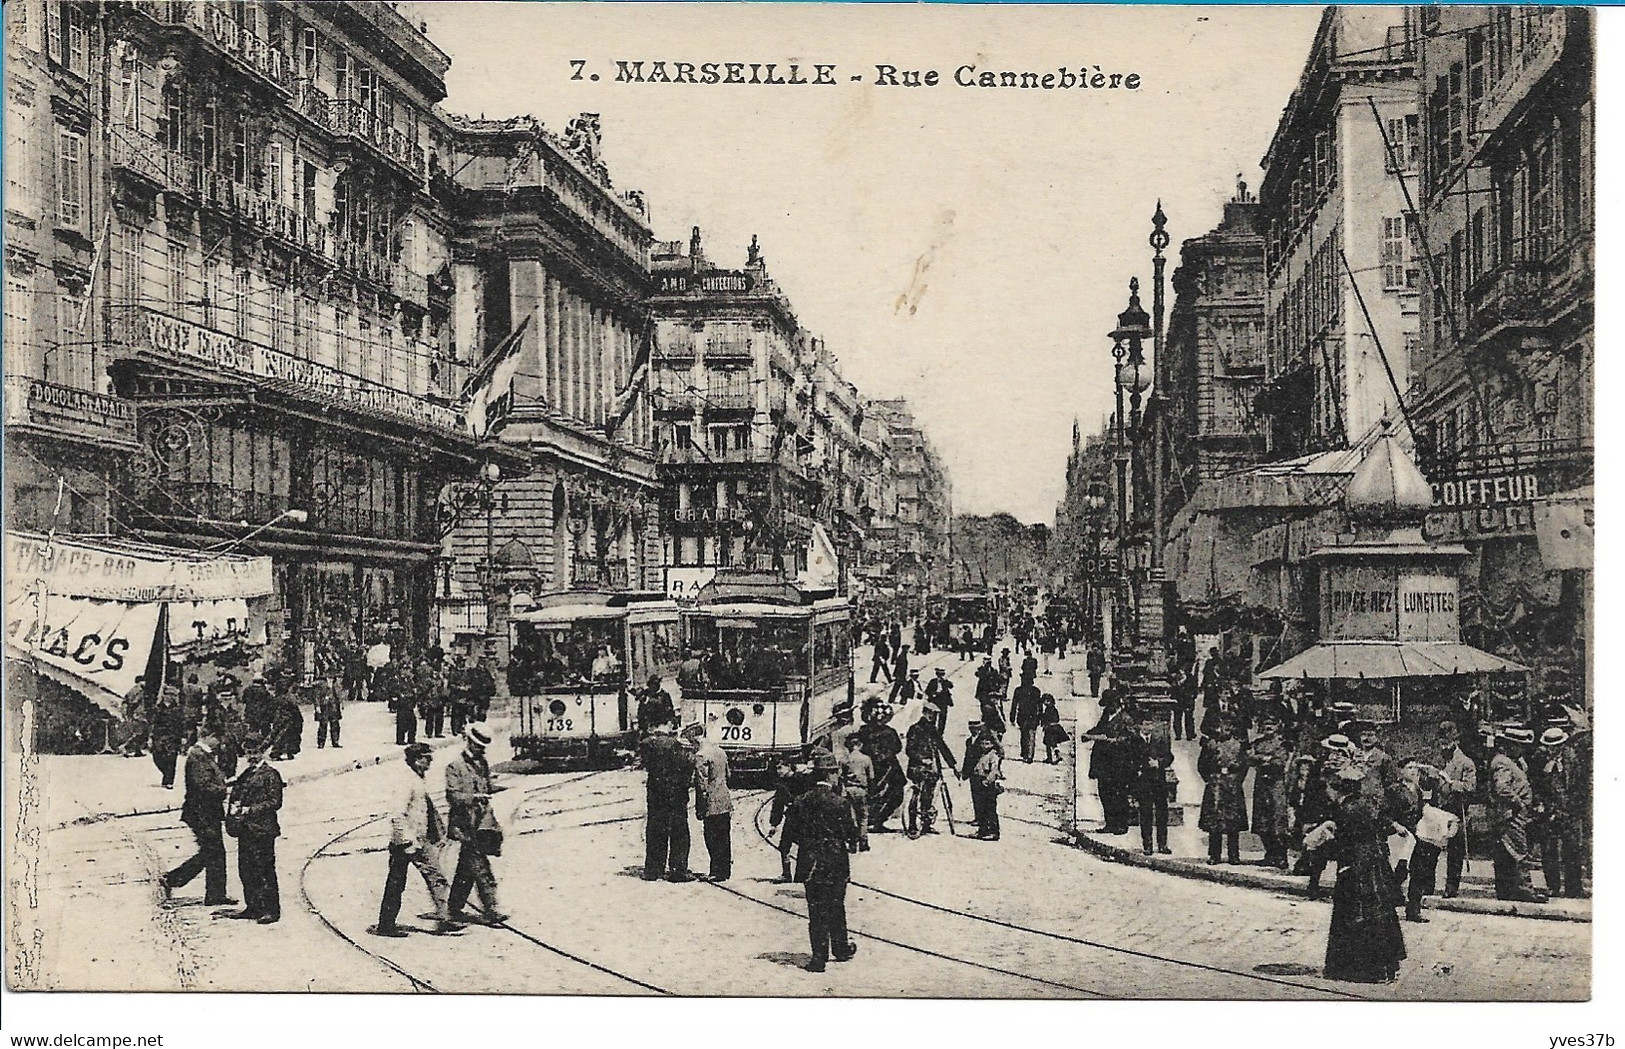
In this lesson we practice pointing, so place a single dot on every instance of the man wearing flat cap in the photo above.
(1511, 804)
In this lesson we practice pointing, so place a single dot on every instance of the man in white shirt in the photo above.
(416, 835)
(713, 803)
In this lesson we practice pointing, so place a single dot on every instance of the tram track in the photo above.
(422, 984)
(1010, 926)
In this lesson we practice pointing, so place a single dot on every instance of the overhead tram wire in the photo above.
(1437, 279)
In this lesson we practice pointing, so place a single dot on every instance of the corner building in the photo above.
(734, 403)
(550, 264)
(275, 300)
(1503, 393)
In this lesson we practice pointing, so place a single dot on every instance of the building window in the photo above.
(275, 183)
(130, 238)
(309, 184)
(18, 155)
(171, 131)
(132, 95)
(18, 338)
(70, 180)
(211, 136)
(239, 154)
(1402, 135)
(364, 87)
(78, 56)
(341, 77)
(1545, 227)
(1477, 74)
(309, 64)
(1323, 161)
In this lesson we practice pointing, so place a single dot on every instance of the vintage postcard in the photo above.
(799, 501)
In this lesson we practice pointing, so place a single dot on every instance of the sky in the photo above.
(966, 248)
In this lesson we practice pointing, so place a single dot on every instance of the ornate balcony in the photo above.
(1508, 303)
(351, 120)
(226, 35)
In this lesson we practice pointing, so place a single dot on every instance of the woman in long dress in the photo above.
(1365, 944)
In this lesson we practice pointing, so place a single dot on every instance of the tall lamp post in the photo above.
(490, 476)
(1133, 378)
(1155, 626)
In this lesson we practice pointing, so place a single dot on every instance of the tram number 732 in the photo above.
(738, 733)
(560, 724)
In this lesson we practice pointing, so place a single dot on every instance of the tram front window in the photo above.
(752, 659)
(548, 658)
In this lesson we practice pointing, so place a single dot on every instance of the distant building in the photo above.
(1343, 277)
(733, 399)
(1216, 347)
(913, 540)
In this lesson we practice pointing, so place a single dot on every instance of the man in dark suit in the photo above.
(203, 810)
(1146, 757)
(821, 825)
(255, 800)
(670, 768)
(1026, 707)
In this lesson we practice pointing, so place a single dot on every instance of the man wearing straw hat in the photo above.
(1511, 802)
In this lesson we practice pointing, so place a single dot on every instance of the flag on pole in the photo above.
(627, 397)
(491, 387)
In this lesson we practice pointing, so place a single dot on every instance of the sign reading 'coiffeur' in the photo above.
(1487, 491)
(171, 335)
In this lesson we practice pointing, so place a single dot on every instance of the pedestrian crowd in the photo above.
(1326, 790)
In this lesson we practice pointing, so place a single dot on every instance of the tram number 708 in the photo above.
(739, 733)
(559, 724)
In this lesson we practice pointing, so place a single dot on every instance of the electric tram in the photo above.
(575, 659)
(775, 668)
(977, 610)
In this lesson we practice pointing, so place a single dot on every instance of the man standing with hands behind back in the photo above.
(713, 803)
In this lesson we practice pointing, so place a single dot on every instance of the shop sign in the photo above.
(68, 411)
(1388, 603)
(83, 570)
(683, 584)
(1483, 522)
(101, 645)
(1487, 491)
(1358, 603)
(708, 514)
(1428, 608)
(209, 625)
(175, 337)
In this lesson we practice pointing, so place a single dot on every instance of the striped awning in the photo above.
(1389, 659)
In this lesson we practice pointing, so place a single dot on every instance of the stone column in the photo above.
(526, 283)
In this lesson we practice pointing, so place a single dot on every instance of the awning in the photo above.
(1389, 659)
(564, 615)
(84, 610)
